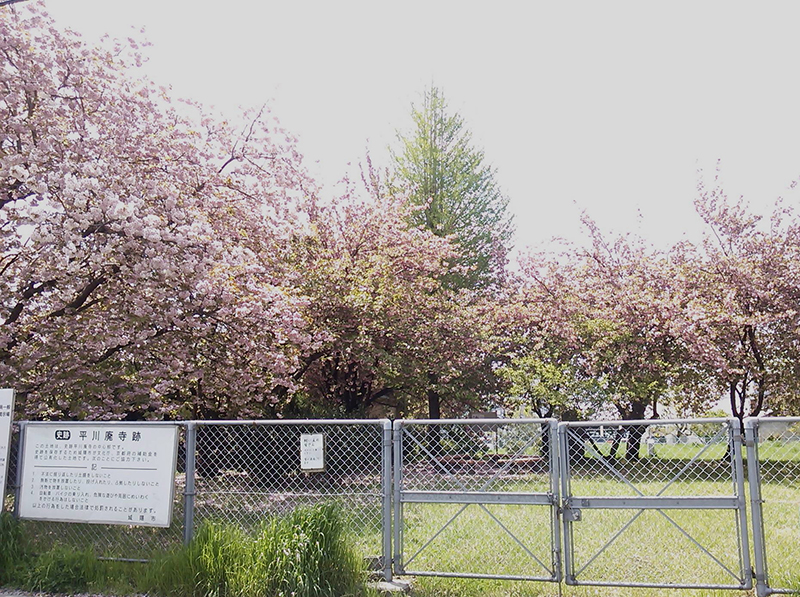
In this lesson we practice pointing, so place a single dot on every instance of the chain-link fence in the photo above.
(243, 473)
(638, 503)
(247, 471)
(11, 473)
(773, 447)
(476, 498)
(635, 491)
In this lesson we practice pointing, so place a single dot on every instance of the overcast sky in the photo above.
(607, 107)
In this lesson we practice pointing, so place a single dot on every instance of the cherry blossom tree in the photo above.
(141, 241)
(736, 308)
(685, 326)
(598, 340)
(385, 327)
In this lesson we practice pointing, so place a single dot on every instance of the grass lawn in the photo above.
(609, 545)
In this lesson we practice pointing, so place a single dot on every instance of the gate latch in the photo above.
(572, 514)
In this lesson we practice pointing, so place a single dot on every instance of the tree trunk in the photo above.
(434, 412)
(635, 434)
(434, 404)
(615, 443)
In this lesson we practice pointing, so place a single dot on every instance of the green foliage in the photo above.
(711, 431)
(456, 192)
(549, 387)
(305, 554)
(12, 549)
(204, 568)
(62, 570)
(463, 441)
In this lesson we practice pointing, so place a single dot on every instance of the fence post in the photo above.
(18, 475)
(754, 480)
(398, 506)
(555, 490)
(386, 483)
(563, 474)
(189, 489)
(737, 440)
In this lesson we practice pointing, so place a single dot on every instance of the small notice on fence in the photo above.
(312, 452)
(6, 416)
(99, 473)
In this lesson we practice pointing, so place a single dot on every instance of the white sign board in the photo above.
(6, 416)
(99, 473)
(312, 452)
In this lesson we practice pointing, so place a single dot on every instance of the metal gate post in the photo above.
(398, 506)
(386, 483)
(740, 491)
(563, 474)
(189, 489)
(754, 480)
(555, 490)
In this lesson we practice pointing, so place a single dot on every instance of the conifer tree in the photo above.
(456, 191)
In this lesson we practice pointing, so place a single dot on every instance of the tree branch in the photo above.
(79, 300)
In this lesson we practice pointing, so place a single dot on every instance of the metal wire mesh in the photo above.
(248, 472)
(11, 473)
(633, 493)
(778, 443)
(464, 490)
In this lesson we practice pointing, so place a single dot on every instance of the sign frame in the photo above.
(86, 472)
(7, 397)
(313, 453)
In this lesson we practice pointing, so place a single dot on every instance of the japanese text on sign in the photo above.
(312, 452)
(100, 473)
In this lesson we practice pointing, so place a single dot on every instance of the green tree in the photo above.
(455, 191)
(456, 197)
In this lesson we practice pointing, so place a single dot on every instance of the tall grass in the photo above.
(304, 554)
(60, 569)
(11, 547)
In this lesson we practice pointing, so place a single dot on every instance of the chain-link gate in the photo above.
(773, 461)
(654, 504)
(476, 498)
(249, 470)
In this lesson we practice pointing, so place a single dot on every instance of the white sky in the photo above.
(609, 107)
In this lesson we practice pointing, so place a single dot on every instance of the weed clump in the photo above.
(61, 570)
(12, 548)
(304, 554)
